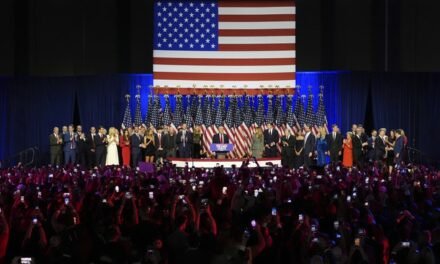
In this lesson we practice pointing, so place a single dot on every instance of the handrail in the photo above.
(25, 157)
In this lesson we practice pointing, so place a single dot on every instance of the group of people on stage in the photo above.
(129, 146)
(124, 147)
(355, 149)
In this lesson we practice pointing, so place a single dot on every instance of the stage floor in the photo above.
(226, 163)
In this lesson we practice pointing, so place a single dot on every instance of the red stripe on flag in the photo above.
(225, 62)
(256, 18)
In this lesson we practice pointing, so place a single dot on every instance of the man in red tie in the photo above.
(220, 138)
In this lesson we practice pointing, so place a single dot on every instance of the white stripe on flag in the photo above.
(257, 25)
(224, 69)
(256, 40)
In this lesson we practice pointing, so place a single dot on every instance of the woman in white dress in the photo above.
(112, 147)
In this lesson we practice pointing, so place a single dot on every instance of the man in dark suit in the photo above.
(101, 150)
(136, 141)
(169, 143)
(381, 145)
(92, 139)
(83, 146)
(372, 146)
(56, 144)
(288, 148)
(184, 142)
(334, 142)
(220, 138)
(309, 146)
(398, 147)
(357, 147)
(70, 140)
(159, 143)
(271, 138)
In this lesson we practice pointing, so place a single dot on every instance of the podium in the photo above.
(221, 149)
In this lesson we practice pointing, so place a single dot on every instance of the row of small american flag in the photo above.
(240, 119)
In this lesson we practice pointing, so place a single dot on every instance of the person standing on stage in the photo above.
(64, 131)
(372, 146)
(322, 147)
(149, 146)
(197, 142)
(257, 147)
(56, 144)
(347, 158)
(390, 141)
(82, 146)
(184, 142)
(334, 143)
(288, 148)
(124, 142)
(101, 147)
(381, 152)
(309, 146)
(220, 138)
(299, 148)
(112, 157)
(271, 138)
(158, 142)
(92, 139)
(136, 141)
(169, 143)
(70, 140)
(398, 147)
(357, 147)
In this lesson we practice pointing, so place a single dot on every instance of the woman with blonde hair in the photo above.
(112, 147)
(257, 146)
(149, 146)
(347, 160)
(322, 147)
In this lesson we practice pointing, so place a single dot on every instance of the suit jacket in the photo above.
(99, 142)
(357, 146)
(188, 139)
(135, 142)
(91, 140)
(398, 149)
(83, 144)
(334, 145)
(156, 140)
(380, 148)
(69, 143)
(54, 146)
(169, 142)
(309, 144)
(288, 150)
(372, 148)
(271, 138)
(216, 138)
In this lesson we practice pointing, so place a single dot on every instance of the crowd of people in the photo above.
(115, 214)
(307, 147)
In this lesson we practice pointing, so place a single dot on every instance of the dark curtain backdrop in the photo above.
(31, 106)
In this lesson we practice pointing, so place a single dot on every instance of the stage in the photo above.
(226, 163)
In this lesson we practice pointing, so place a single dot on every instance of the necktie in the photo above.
(160, 145)
(221, 138)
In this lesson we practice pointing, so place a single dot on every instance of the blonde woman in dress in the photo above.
(112, 147)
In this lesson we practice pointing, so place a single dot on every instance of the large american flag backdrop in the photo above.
(229, 47)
